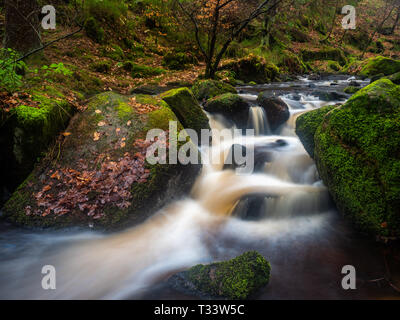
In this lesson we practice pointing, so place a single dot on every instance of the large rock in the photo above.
(26, 132)
(276, 109)
(99, 174)
(357, 151)
(253, 69)
(380, 65)
(231, 106)
(206, 89)
(187, 109)
(238, 278)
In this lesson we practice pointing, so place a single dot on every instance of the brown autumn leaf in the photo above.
(96, 136)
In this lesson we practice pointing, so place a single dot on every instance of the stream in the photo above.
(297, 227)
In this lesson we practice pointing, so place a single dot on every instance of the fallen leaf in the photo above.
(101, 124)
(96, 136)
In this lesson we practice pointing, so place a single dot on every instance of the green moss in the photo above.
(94, 31)
(177, 60)
(395, 78)
(36, 127)
(292, 63)
(334, 66)
(328, 53)
(380, 65)
(124, 111)
(351, 89)
(230, 105)
(357, 150)
(114, 52)
(308, 123)
(142, 71)
(187, 109)
(206, 89)
(238, 278)
(253, 68)
(101, 66)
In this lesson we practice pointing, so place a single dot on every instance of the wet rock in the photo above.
(253, 68)
(187, 109)
(276, 109)
(262, 155)
(354, 84)
(231, 106)
(351, 89)
(357, 155)
(395, 78)
(329, 95)
(239, 278)
(314, 77)
(149, 90)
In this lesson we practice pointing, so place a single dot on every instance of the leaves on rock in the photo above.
(87, 191)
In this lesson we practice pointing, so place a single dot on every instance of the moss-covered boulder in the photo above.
(307, 124)
(236, 279)
(99, 175)
(357, 151)
(276, 109)
(206, 89)
(253, 68)
(380, 65)
(351, 89)
(332, 54)
(178, 60)
(231, 106)
(187, 109)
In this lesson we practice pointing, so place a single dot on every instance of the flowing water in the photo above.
(296, 227)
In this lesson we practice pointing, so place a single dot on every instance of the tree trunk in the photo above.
(396, 22)
(22, 25)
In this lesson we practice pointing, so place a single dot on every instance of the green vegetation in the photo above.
(381, 65)
(187, 109)
(253, 68)
(238, 278)
(206, 89)
(11, 71)
(143, 71)
(231, 106)
(308, 123)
